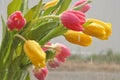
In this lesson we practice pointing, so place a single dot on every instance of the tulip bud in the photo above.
(50, 4)
(78, 38)
(44, 48)
(40, 74)
(73, 20)
(62, 52)
(35, 53)
(98, 29)
(84, 8)
(54, 63)
(16, 21)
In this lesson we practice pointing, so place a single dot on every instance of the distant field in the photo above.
(78, 66)
(72, 70)
(83, 75)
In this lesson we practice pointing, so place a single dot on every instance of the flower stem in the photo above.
(19, 36)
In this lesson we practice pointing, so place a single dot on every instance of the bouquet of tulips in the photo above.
(26, 35)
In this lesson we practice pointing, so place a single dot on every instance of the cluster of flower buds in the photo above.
(57, 54)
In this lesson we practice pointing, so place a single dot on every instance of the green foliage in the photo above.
(34, 12)
(15, 5)
(64, 6)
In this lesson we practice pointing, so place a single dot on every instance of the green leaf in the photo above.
(24, 6)
(52, 34)
(3, 28)
(33, 12)
(42, 30)
(15, 5)
(28, 77)
(64, 6)
(30, 14)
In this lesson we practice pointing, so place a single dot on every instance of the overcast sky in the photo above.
(106, 10)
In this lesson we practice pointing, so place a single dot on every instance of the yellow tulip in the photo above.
(50, 4)
(35, 53)
(98, 29)
(79, 38)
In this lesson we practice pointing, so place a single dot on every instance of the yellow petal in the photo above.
(95, 30)
(50, 4)
(78, 38)
(35, 53)
(107, 28)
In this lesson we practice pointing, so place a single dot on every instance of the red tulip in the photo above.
(85, 8)
(73, 20)
(16, 21)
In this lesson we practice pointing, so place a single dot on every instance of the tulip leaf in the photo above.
(24, 6)
(15, 5)
(64, 6)
(33, 12)
(57, 31)
(41, 30)
(30, 13)
(3, 27)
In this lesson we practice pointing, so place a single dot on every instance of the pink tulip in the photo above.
(40, 74)
(16, 21)
(54, 63)
(62, 52)
(45, 48)
(85, 8)
(73, 20)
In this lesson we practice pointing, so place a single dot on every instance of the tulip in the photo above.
(16, 21)
(40, 74)
(35, 53)
(98, 29)
(85, 7)
(62, 52)
(45, 48)
(54, 63)
(50, 4)
(73, 20)
(78, 38)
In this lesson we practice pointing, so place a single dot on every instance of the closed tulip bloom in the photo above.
(44, 48)
(35, 53)
(85, 8)
(54, 63)
(50, 4)
(78, 38)
(41, 73)
(62, 52)
(73, 20)
(98, 29)
(16, 21)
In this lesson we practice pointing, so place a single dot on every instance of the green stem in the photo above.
(50, 17)
(19, 36)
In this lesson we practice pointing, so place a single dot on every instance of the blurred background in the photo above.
(105, 53)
